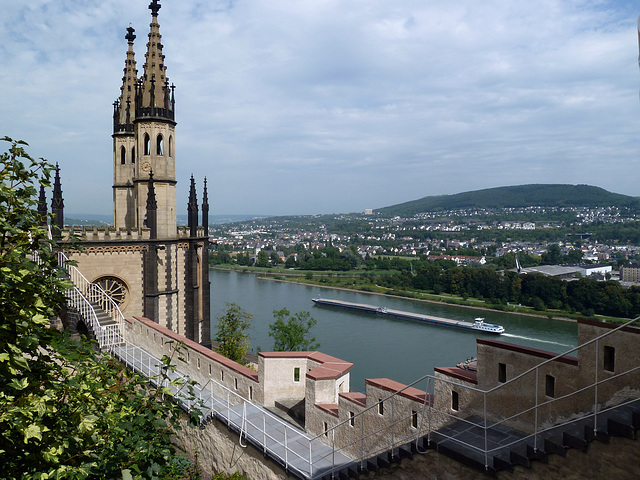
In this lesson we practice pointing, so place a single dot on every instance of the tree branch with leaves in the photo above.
(291, 332)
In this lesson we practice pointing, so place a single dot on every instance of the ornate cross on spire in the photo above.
(130, 37)
(154, 7)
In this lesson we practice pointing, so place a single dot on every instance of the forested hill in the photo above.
(546, 195)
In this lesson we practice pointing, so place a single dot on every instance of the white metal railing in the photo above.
(266, 431)
(276, 436)
(91, 291)
(85, 296)
(395, 433)
(232, 408)
(106, 335)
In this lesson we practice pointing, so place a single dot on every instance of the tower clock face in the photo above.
(146, 165)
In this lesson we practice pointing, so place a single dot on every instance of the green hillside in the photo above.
(546, 195)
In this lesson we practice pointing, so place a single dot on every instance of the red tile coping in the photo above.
(330, 368)
(528, 351)
(216, 357)
(392, 386)
(355, 397)
(330, 408)
(284, 354)
(459, 373)
(610, 326)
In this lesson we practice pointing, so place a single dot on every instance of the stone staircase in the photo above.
(104, 318)
(464, 440)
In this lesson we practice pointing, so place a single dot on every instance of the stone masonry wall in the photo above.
(619, 460)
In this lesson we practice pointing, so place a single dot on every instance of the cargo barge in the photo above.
(478, 324)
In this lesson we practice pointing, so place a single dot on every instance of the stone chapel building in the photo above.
(148, 264)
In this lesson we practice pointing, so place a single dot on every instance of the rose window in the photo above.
(115, 288)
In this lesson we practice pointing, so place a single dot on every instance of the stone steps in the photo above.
(622, 421)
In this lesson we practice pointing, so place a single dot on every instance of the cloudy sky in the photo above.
(327, 106)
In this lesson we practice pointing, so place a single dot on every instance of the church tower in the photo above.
(147, 264)
(144, 138)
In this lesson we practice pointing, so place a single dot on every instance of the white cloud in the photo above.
(311, 107)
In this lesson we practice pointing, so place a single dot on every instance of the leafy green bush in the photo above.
(66, 412)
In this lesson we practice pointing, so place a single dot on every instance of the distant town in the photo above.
(606, 235)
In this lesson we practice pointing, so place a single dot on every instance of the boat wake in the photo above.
(531, 339)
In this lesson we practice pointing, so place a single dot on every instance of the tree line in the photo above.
(585, 296)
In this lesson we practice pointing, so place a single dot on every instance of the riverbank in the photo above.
(475, 304)
(410, 349)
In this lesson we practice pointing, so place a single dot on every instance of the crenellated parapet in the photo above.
(107, 233)
(104, 234)
(185, 232)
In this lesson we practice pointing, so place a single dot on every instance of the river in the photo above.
(378, 346)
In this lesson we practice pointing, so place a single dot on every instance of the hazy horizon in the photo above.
(307, 107)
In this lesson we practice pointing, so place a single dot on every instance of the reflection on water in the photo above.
(379, 346)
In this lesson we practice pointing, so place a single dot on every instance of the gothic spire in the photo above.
(57, 204)
(42, 207)
(155, 79)
(205, 209)
(152, 208)
(125, 106)
(192, 209)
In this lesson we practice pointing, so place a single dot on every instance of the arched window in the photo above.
(123, 155)
(147, 144)
(159, 145)
(133, 155)
(170, 146)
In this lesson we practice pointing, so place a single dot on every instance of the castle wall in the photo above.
(543, 387)
(279, 378)
(208, 368)
(608, 359)
(390, 413)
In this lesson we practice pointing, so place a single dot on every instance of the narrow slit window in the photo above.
(296, 374)
(609, 358)
(159, 145)
(222, 375)
(352, 419)
(133, 155)
(550, 386)
(380, 407)
(455, 401)
(123, 155)
(235, 383)
(147, 144)
(502, 372)
(414, 419)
